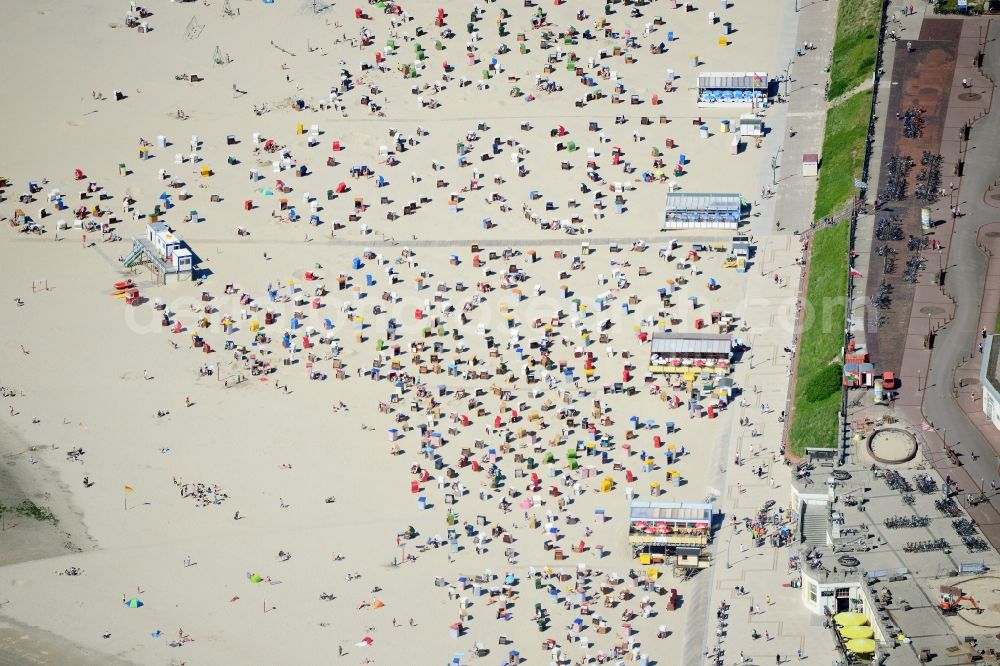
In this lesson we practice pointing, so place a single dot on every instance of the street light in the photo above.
(774, 169)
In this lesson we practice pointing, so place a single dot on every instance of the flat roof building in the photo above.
(732, 89)
(702, 210)
(668, 526)
(690, 352)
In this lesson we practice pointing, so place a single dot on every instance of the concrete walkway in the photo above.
(763, 571)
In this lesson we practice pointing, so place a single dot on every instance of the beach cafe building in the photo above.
(697, 210)
(684, 353)
(658, 529)
(732, 89)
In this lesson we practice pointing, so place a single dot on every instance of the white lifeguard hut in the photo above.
(164, 253)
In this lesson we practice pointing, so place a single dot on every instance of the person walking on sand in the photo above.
(187, 401)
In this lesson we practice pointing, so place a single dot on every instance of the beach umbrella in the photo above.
(857, 632)
(850, 619)
(378, 603)
(861, 645)
(255, 578)
(134, 603)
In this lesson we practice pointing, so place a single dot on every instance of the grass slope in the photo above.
(855, 45)
(843, 152)
(814, 423)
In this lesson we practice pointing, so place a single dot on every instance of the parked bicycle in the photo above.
(897, 481)
(964, 527)
(926, 546)
(926, 484)
(948, 506)
(899, 522)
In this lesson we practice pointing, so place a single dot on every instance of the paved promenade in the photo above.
(763, 572)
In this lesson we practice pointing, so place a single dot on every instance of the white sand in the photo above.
(83, 375)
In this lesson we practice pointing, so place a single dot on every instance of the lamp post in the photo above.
(774, 169)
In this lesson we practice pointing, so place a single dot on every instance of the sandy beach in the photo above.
(198, 483)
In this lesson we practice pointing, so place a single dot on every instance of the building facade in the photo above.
(989, 378)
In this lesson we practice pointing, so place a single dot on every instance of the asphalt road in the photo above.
(965, 281)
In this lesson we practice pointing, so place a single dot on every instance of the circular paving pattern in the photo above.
(892, 446)
(931, 310)
(848, 561)
(970, 97)
(994, 234)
